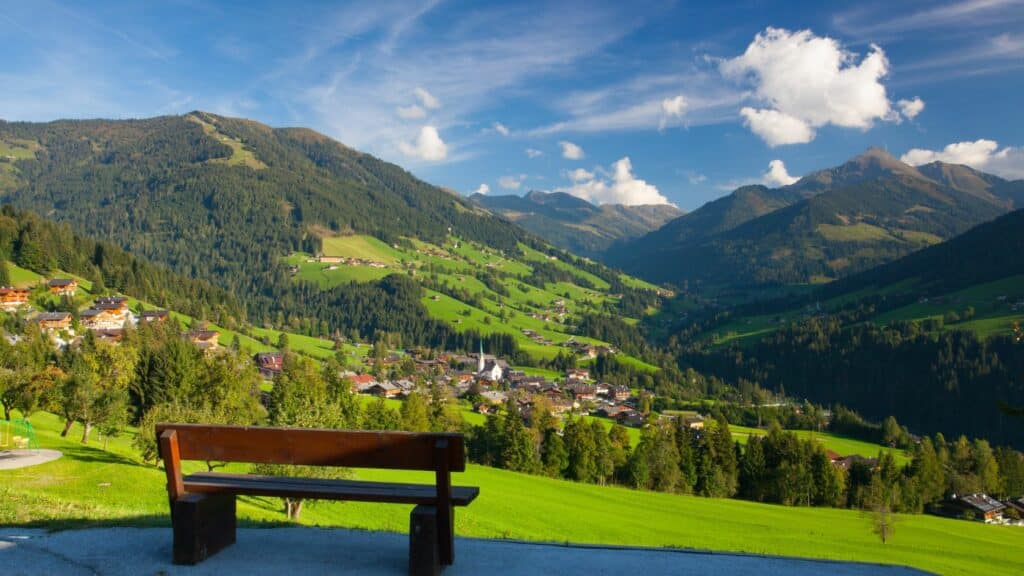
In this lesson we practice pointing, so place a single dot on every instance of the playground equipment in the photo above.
(17, 435)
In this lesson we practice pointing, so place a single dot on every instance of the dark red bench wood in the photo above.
(203, 504)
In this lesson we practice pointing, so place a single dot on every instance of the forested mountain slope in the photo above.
(830, 224)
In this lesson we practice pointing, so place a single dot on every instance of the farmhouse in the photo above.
(13, 298)
(205, 340)
(269, 363)
(695, 422)
(620, 393)
(384, 390)
(577, 373)
(50, 321)
(981, 507)
(111, 303)
(63, 286)
(362, 382)
(113, 336)
(154, 316)
(108, 318)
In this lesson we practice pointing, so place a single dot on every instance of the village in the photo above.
(484, 382)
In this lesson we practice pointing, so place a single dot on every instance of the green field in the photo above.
(839, 444)
(991, 301)
(366, 247)
(90, 486)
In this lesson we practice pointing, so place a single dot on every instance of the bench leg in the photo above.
(424, 553)
(204, 524)
(446, 534)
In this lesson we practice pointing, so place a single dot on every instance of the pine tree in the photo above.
(555, 457)
(520, 452)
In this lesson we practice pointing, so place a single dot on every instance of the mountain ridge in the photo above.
(829, 224)
(575, 224)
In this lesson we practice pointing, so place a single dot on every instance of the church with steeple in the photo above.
(488, 367)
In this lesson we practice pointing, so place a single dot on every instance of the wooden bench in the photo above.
(203, 504)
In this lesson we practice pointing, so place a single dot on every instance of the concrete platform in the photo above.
(312, 551)
(14, 459)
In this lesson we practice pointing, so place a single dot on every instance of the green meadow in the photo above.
(91, 486)
(461, 265)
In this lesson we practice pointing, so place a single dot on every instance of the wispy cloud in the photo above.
(878, 19)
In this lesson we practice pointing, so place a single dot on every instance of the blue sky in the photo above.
(631, 102)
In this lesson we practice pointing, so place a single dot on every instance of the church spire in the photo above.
(480, 359)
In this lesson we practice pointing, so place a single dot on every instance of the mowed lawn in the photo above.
(89, 486)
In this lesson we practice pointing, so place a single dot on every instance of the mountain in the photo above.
(984, 254)
(575, 224)
(224, 199)
(246, 209)
(932, 338)
(830, 224)
(726, 213)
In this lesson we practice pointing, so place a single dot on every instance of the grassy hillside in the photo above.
(471, 286)
(91, 486)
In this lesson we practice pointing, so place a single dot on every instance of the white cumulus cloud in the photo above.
(482, 189)
(427, 146)
(533, 153)
(620, 186)
(777, 128)
(426, 98)
(777, 175)
(411, 112)
(910, 108)
(672, 109)
(982, 154)
(511, 182)
(501, 128)
(805, 82)
(571, 151)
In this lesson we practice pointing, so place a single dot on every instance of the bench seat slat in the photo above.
(356, 490)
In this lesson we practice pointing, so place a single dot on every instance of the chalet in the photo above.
(110, 317)
(602, 388)
(405, 386)
(13, 298)
(581, 391)
(981, 507)
(114, 336)
(631, 418)
(620, 393)
(384, 390)
(577, 374)
(330, 259)
(694, 422)
(154, 316)
(111, 303)
(204, 339)
(561, 406)
(1016, 504)
(63, 286)
(270, 364)
(50, 321)
(612, 410)
(362, 382)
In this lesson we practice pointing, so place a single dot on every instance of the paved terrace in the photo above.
(311, 551)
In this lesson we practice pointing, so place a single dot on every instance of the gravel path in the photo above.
(312, 551)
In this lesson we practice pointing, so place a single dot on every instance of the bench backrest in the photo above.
(304, 446)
